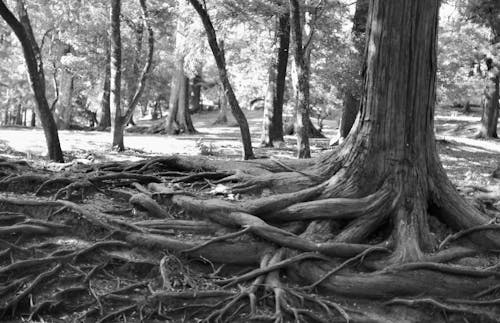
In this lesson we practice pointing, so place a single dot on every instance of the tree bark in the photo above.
(228, 89)
(272, 122)
(302, 71)
(117, 124)
(105, 120)
(33, 59)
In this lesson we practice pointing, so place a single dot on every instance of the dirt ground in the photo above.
(468, 161)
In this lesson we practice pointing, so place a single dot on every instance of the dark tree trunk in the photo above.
(228, 89)
(301, 95)
(120, 121)
(196, 96)
(272, 123)
(117, 119)
(350, 105)
(32, 56)
(105, 120)
(19, 115)
(33, 118)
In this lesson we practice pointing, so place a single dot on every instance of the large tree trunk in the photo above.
(105, 119)
(272, 122)
(228, 89)
(117, 124)
(179, 118)
(302, 71)
(351, 102)
(33, 59)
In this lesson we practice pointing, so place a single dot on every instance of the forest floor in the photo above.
(76, 239)
(468, 161)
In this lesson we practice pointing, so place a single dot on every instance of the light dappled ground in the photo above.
(468, 161)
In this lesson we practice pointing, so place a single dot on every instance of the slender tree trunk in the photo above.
(117, 124)
(19, 115)
(351, 102)
(301, 94)
(32, 56)
(272, 123)
(33, 118)
(228, 89)
(121, 120)
(132, 81)
(105, 120)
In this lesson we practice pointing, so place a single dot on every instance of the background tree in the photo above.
(179, 117)
(487, 12)
(272, 123)
(121, 120)
(24, 33)
(302, 71)
(350, 106)
(117, 123)
(221, 66)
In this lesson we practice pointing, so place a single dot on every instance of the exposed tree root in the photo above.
(322, 232)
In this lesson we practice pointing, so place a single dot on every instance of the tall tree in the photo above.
(179, 118)
(22, 29)
(116, 76)
(119, 121)
(302, 71)
(272, 123)
(220, 60)
(376, 192)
